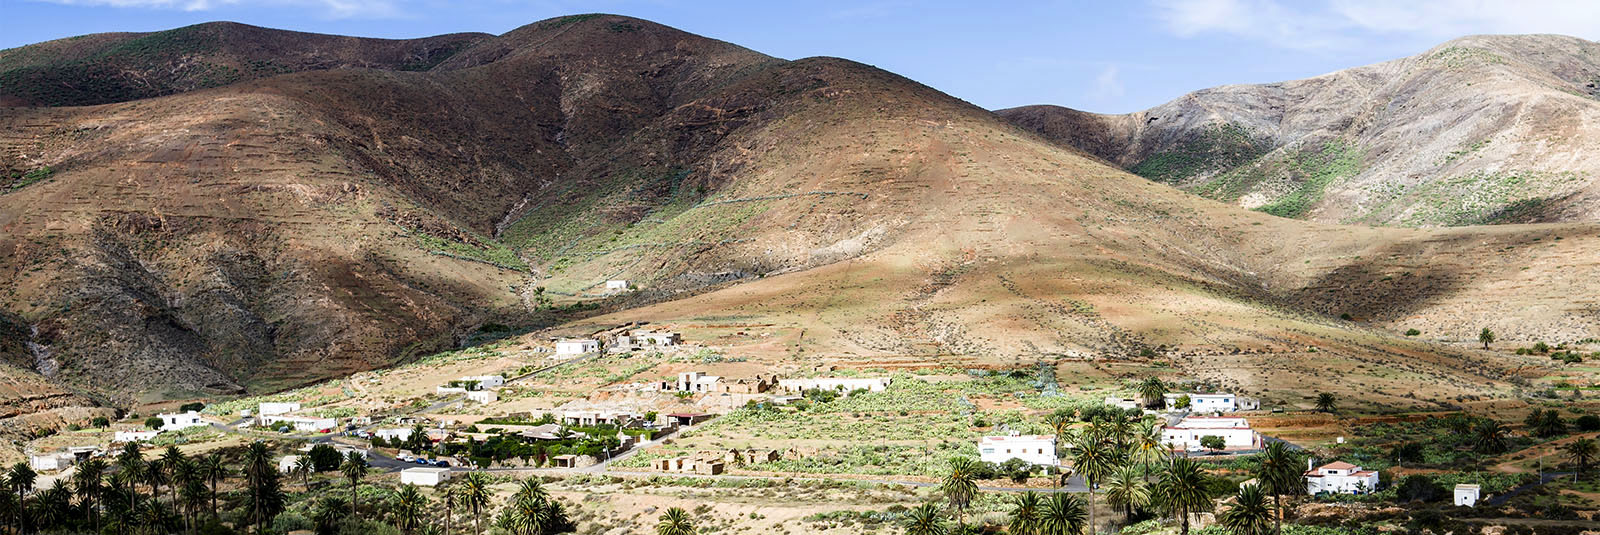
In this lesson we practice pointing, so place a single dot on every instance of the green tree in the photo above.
(21, 478)
(1146, 448)
(1489, 437)
(1063, 515)
(924, 520)
(1127, 489)
(214, 470)
(1213, 442)
(1153, 392)
(675, 522)
(1026, 517)
(89, 482)
(1279, 473)
(1182, 490)
(1486, 336)
(266, 498)
(1249, 514)
(305, 466)
(475, 495)
(153, 423)
(325, 457)
(1582, 453)
(960, 486)
(409, 507)
(1326, 402)
(1182, 402)
(130, 464)
(1093, 460)
(354, 468)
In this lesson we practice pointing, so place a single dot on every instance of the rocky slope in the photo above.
(1482, 129)
(302, 226)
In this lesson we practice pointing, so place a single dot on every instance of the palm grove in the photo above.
(244, 491)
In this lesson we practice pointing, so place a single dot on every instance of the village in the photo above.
(647, 403)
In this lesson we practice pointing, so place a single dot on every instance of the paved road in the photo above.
(1547, 477)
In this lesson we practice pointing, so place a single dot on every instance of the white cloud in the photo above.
(327, 8)
(1108, 84)
(1338, 25)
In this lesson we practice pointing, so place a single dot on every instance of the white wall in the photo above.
(1038, 451)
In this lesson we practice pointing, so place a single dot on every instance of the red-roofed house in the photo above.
(1340, 478)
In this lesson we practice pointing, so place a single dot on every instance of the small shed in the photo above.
(688, 418)
(287, 464)
(424, 476)
(564, 461)
(1467, 495)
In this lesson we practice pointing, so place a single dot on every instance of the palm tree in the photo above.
(1063, 515)
(172, 461)
(1182, 490)
(53, 507)
(89, 483)
(1249, 514)
(1153, 392)
(449, 500)
(925, 521)
(960, 486)
(193, 493)
(306, 467)
(675, 522)
(1025, 519)
(1126, 488)
(330, 511)
(1147, 448)
(213, 469)
(1582, 452)
(261, 476)
(1326, 402)
(1486, 336)
(409, 504)
(1061, 422)
(354, 468)
(531, 512)
(131, 463)
(1489, 437)
(475, 493)
(21, 479)
(156, 475)
(1279, 474)
(1094, 460)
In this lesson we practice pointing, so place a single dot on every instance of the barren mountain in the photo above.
(303, 226)
(117, 67)
(1482, 129)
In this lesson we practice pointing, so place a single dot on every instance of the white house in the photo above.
(1340, 478)
(51, 461)
(287, 463)
(424, 476)
(1467, 495)
(274, 409)
(401, 433)
(1205, 402)
(483, 396)
(697, 382)
(485, 381)
(301, 423)
(577, 346)
(174, 422)
(1035, 449)
(1186, 434)
(134, 436)
(840, 384)
(616, 285)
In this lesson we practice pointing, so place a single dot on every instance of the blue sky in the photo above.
(1106, 56)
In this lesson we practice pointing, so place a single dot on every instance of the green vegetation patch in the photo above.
(1459, 57)
(490, 252)
(1218, 147)
(20, 180)
(1337, 160)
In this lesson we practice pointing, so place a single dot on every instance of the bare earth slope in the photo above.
(1483, 129)
(303, 226)
(117, 67)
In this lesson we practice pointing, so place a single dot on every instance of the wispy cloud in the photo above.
(1337, 25)
(327, 8)
(1108, 84)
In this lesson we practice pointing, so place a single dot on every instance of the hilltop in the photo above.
(1479, 130)
(283, 230)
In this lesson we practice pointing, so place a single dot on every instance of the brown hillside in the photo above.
(304, 226)
(1483, 129)
(118, 67)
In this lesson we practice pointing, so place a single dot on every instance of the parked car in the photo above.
(442, 462)
(422, 460)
